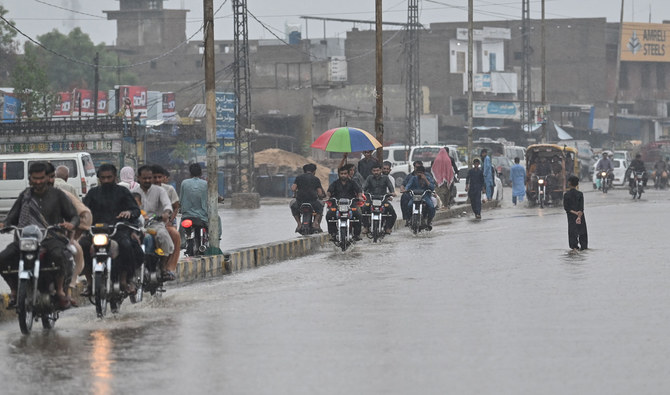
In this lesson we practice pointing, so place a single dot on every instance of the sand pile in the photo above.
(277, 160)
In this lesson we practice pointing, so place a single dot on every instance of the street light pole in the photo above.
(470, 107)
(210, 128)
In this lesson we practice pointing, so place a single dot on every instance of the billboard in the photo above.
(138, 99)
(496, 109)
(10, 107)
(169, 105)
(63, 106)
(645, 42)
(225, 115)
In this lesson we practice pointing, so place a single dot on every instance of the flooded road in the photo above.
(496, 306)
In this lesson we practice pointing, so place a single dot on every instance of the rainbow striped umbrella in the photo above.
(346, 139)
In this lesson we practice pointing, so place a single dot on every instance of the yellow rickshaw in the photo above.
(548, 167)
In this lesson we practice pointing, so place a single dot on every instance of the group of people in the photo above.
(141, 199)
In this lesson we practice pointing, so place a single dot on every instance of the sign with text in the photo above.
(225, 115)
(645, 42)
(496, 109)
(62, 146)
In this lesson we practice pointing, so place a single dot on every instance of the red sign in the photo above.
(169, 105)
(83, 98)
(63, 107)
(137, 96)
(102, 102)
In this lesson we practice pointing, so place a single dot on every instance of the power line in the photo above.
(70, 10)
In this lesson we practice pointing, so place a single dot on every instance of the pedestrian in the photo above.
(443, 172)
(474, 186)
(573, 203)
(518, 176)
(127, 175)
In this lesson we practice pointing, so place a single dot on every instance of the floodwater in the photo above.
(496, 306)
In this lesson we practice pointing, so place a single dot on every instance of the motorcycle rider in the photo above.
(660, 168)
(161, 176)
(366, 164)
(193, 198)
(604, 164)
(378, 184)
(307, 188)
(155, 202)
(636, 165)
(419, 182)
(344, 188)
(111, 203)
(41, 205)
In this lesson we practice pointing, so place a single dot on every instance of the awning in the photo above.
(562, 134)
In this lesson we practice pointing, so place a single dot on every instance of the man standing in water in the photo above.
(573, 203)
(474, 186)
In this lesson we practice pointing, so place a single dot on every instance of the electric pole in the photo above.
(470, 107)
(617, 76)
(412, 84)
(379, 110)
(544, 81)
(210, 128)
(96, 79)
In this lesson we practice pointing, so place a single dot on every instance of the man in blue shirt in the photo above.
(419, 183)
(193, 198)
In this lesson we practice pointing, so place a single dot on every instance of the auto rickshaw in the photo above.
(548, 167)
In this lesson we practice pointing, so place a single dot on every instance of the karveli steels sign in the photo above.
(645, 42)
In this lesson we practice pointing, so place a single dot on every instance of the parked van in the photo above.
(515, 151)
(397, 154)
(14, 173)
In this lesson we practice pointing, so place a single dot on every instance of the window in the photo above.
(69, 163)
(460, 62)
(646, 76)
(89, 167)
(400, 155)
(11, 170)
(660, 76)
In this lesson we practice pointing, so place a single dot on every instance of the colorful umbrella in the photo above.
(346, 139)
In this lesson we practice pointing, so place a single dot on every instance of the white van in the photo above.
(14, 173)
(515, 151)
(426, 154)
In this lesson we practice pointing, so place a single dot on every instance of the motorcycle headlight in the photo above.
(540, 181)
(100, 240)
(29, 245)
(603, 174)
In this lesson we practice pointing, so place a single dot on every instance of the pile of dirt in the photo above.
(273, 160)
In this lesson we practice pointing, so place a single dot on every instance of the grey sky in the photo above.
(35, 17)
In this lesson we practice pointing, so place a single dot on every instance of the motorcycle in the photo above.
(541, 190)
(307, 215)
(149, 274)
(36, 294)
(660, 179)
(344, 210)
(197, 236)
(605, 179)
(418, 220)
(638, 184)
(377, 207)
(106, 288)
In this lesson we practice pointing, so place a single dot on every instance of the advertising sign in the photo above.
(102, 102)
(63, 106)
(83, 97)
(645, 42)
(496, 109)
(225, 115)
(10, 109)
(98, 146)
(169, 106)
(138, 99)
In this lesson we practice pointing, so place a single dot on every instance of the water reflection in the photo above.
(101, 363)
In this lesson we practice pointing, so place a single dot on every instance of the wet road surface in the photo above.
(496, 306)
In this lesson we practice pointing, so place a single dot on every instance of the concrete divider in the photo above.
(241, 259)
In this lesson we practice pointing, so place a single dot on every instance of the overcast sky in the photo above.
(35, 17)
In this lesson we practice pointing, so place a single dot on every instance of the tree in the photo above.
(31, 86)
(8, 46)
(65, 74)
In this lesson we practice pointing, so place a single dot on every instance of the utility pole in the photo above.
(412, 84)
(470, 107)
(526, 92)
(96, 79)
(544, 80)
(210, 128)
(617, 76)
(379, 110)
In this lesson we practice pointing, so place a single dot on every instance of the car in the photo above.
(504, 167)
(462, 195)
(620, 166)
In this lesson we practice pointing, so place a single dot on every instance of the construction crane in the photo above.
(244, 165)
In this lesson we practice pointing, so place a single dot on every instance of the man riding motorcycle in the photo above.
(345, 188)
(604, 164)
(660, 173)
(636, 165)
(378, 184)
(307, 188)
(111, 203)
(193, 199)
(420, 182)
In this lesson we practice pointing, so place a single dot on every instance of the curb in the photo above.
(190, 270)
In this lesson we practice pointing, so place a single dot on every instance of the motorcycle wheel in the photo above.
(416, 223)
(49, 320)
(189, 247)
(139, 285)
(375, 230)
(100, 295)
(24, 307)
(541, 198)
(343, 239)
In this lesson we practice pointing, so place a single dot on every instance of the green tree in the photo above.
(64, 74)
(31, 86)
(8, 46)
